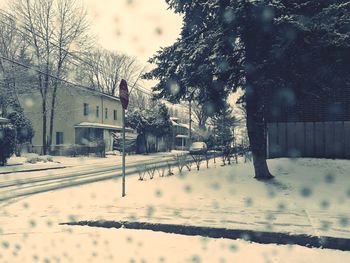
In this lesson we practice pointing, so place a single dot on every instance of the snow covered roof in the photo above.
(4, 120)
(181, 136)
(185, 126)
(128, 136)
(174, 123)
(100, 126)
(97, 92)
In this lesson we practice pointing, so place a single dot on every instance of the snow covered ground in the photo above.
(308, 196)
(19, 164)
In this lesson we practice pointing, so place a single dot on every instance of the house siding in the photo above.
(69, 112)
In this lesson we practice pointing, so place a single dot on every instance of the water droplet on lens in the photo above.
(306, 192)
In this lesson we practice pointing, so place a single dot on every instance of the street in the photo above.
(29, 183)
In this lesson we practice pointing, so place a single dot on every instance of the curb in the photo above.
(33, 170)
(247, 235)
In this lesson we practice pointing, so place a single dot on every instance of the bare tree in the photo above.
(54, 29)
(138, 100)
(200, 114)
(71, 30)
(106, 69)
(12, 48)
(36, 18)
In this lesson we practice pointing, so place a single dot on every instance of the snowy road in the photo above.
(23, 184)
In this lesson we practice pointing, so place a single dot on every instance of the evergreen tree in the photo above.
(154, 120)
(264, 46)
(223, 123)
(7, 142)
(14, 112)
(24, 129)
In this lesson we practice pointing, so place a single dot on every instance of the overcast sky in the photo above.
(136, 27)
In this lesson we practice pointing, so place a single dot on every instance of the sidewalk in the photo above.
(27, 168)
(309, 197)
(221, 197)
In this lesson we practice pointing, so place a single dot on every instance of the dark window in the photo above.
(106, 113)
(86, 109)
(59, 138)
(115, 115)
(97, 111)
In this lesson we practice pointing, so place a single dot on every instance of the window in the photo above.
(59, 138)
(86, 109)
(97, 111)
(115, 115)
(106, 113)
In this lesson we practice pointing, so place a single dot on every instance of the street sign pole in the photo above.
(124, 99)
(123, 158)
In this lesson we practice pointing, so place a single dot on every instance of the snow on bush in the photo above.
(35, 158)
(7, 143)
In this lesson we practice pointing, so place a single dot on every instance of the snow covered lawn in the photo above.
(20, 164)
(308, 196)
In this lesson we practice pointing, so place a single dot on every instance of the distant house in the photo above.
(82, 117)
(309, 125)
(180, 139)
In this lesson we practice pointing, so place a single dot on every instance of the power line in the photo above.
(4, 13)
(74, 56)
(52, 76)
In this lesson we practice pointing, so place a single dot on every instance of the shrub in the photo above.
(141, 170)
(189, 166)
(151, 170)
(73, 150)
(181, 160)
(161, 171)
(100, 147)
(197, 158)
(34, 158)
(24, 129)
(170, 169)
(46, 158)
(7, 143)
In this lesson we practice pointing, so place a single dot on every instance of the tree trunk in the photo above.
(255, 55)
(52, 116)
(44, 107)
(44, 126)
(146, 144)
(257, 138)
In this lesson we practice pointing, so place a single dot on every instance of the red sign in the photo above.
(124, 94)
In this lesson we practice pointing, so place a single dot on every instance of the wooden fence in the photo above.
(309, 139)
